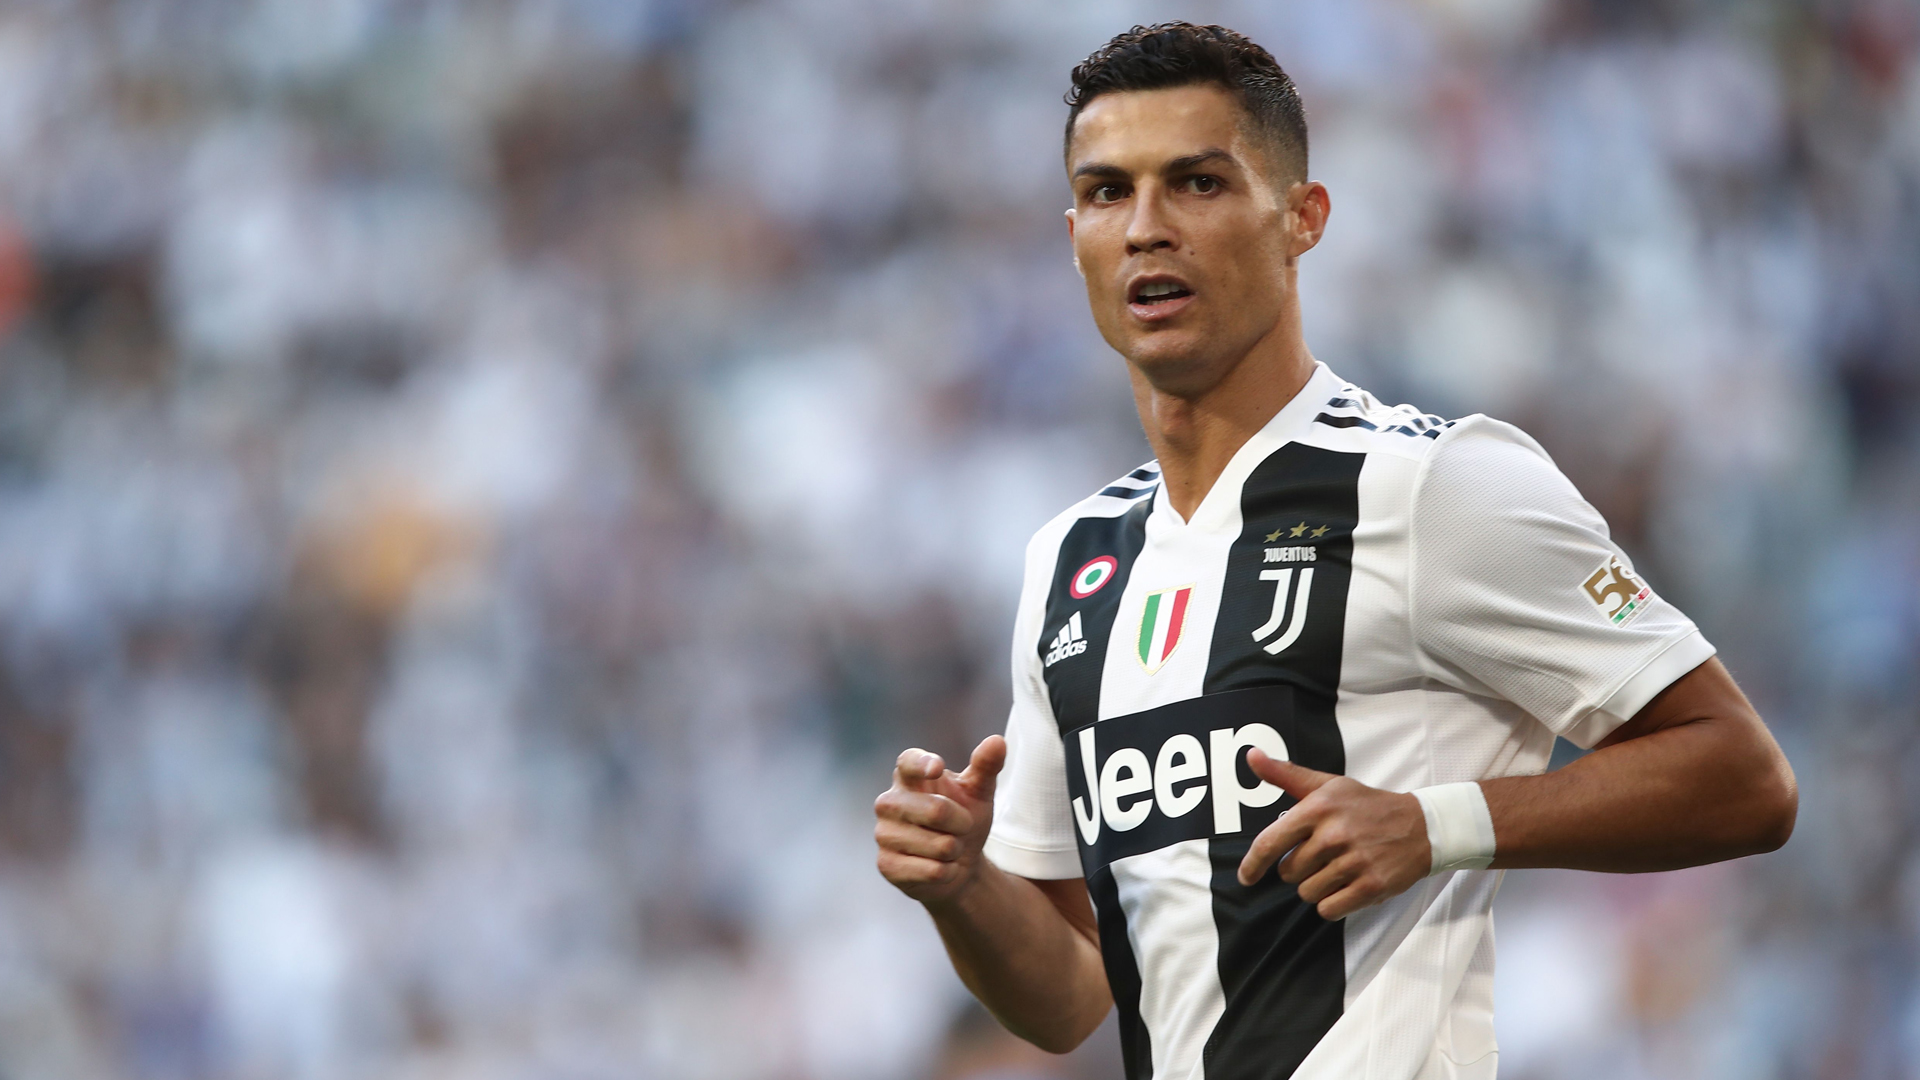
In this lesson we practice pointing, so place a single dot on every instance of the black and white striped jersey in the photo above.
(1365, 590)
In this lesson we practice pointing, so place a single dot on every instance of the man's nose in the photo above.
(1151, 226)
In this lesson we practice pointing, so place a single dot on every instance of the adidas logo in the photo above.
(1068, 642)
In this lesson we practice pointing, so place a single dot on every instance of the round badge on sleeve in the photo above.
(1089, 578)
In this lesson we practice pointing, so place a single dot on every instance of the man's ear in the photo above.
(1076, 258)
(1310, 206)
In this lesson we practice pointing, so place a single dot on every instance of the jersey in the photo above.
(1366, 590)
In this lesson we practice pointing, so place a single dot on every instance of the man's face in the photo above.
(1183, 232)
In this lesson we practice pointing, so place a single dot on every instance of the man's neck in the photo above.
(1194, 437)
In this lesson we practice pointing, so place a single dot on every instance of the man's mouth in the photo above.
(1160, 292)
(1158, 297)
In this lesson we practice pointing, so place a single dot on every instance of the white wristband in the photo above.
(1459, 826)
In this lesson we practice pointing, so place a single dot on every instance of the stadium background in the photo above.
(486, 489)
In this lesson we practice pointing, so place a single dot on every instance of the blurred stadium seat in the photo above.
(486, 489)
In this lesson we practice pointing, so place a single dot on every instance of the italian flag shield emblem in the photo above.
(1161, 621)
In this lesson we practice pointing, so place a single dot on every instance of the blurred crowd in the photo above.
(486, 490)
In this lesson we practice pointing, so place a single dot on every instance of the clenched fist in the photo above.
(932, 821)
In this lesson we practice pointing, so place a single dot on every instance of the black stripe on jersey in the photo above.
(1355, 421)
(1073, 682)
(1123, 975)
(1144, 472)
(1345, 422)
(1422, 421)
(1126, 492)
(1282, 967)
(1073, 686)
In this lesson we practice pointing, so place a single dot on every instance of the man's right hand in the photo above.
(932, 821)
(1029, 950)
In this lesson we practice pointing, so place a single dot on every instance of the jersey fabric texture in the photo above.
(1365, 590)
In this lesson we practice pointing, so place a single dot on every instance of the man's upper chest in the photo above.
(1260, 588)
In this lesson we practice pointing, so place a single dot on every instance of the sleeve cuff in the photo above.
(1659, 673)
(1032, 862)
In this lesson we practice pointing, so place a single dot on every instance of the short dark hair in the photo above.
(1173, 54)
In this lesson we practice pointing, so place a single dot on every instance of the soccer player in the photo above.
(1284, 695)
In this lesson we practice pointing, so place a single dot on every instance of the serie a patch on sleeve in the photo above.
(1619, 595)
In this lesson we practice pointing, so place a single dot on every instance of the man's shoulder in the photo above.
(1481, 451)
(1135, 485)
(1353, 420)
(1133, 490)
(1486, 478)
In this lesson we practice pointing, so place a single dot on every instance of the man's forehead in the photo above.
(1141, 129)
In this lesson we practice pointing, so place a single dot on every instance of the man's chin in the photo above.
(1176, 364)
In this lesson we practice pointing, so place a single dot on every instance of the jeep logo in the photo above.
(1178, 773)
(1127, 788)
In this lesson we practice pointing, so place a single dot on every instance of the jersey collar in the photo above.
(1220, 507)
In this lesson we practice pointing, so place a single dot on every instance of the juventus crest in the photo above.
(1292, 589)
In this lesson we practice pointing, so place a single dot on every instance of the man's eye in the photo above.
(1203, 185)
(1105, 193)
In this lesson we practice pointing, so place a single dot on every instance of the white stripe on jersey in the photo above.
(1393, 1026)
(1181, 998)
(1169, 910)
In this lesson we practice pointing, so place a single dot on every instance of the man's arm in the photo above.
(1693, 778)
(1029, 950)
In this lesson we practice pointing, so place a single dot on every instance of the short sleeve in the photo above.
(1032, 833)
(1517, 591)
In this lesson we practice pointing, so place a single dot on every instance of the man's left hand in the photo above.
(1347, 845)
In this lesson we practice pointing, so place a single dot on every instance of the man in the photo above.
(1317, 631)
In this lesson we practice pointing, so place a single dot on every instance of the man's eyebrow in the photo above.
(1194, 161)
(1177, 165)
(1098, 168)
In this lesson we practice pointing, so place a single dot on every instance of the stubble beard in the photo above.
(1188, 370)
